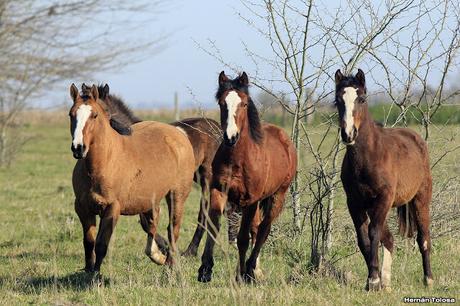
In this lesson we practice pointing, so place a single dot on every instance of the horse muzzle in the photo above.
(230, 142)
(78, 151)
(349, 138)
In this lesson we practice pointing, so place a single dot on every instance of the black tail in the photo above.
(406, 220)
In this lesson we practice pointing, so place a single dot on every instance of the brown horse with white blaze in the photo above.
(255, 163)
(126, 175)
(382, 168)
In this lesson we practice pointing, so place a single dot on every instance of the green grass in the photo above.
(41, 250)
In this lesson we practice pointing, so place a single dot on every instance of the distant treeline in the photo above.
(447, 114)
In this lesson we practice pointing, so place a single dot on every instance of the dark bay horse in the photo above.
(255, 163)
(382, 168)
(126, 175)
(204, 134)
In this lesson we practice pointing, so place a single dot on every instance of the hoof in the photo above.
(88, 269)
(248, 278)
(258, 274)
(373, 284)
(233, 244)
(387, 289)
(190, 252)
(170, 260)
(157, 257)
(428, 282)
(204, 274)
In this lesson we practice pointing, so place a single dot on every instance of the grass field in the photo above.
(41, 250)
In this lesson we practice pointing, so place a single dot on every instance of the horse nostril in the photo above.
(78, 150)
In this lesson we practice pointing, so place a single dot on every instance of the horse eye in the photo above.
(94, 114)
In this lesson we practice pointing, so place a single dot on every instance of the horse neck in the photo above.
(103, 149)
(367, 139)
(240, 152)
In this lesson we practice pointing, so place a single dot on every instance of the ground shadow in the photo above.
(77, 281)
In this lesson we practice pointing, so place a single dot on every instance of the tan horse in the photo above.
(126, 175)
(205, 136)
(253, 167)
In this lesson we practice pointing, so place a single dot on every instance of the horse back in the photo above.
(204, 135)
(281, 157)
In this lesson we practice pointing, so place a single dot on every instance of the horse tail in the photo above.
(406, 220)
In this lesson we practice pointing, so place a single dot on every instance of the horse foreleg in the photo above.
(88, 223)
(272, 208)
(107, 225)
(387, 244)
(377, 215)
(216, 208)
(243, 237)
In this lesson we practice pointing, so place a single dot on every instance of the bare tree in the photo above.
(43, 42)
(404, 45)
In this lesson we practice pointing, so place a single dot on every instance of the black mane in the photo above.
(255, 127)
(121, 116)
(117, 107)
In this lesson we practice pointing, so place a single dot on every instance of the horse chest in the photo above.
(361, 185)
(244, 190)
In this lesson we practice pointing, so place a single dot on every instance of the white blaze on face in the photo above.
(83, 113)
(349, 98)
(232, 101)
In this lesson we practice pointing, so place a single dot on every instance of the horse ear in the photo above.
(73, 92)
(243, 79)
(84, 87)
(360, 77)
(94, 92)
(222, 78)
(338, 76)
(106, 90)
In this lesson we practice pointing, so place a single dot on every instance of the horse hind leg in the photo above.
(155, 247)
(272, 207)
(421, 204)
(192, 248)
(175, 200)
(216, 208)
(233, 215)
(388, 246)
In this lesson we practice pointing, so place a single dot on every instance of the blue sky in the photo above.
(181, 66)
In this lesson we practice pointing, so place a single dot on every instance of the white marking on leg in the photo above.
(83, 113)
(349, 97)
(425, 245)
(232, 101)
(386, 267)
(182, 130)
(153, 251)
(258, 271)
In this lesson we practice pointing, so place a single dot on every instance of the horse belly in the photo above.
(142, 193)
